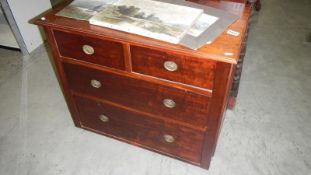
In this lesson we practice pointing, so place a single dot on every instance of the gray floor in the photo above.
(268, 133)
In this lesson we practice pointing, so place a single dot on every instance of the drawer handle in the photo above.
(96, 83)
(169, 103)
(168, 138)
(170, 66)
(104, 118)
(87, 49)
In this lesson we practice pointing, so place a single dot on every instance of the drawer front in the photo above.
(93, 50)
(187, 70)
(157, 135)
(152, 98)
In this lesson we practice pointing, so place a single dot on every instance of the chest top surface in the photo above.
(225, 48)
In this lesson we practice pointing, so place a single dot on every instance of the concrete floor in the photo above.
(268, 133)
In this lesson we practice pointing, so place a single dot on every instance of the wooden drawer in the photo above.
(167, 138)
(93, 50)
(189, 70)
(145, 96)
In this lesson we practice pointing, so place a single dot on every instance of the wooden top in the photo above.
(216, 51)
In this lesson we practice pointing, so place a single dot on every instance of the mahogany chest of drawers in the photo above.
(156, 95)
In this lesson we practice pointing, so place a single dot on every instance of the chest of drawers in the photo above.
(156, 95)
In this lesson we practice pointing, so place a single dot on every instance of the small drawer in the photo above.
(158, 135)
(93, 50)
(183, 69)
(156, 99)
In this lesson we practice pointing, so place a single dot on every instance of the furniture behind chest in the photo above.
(149, 93)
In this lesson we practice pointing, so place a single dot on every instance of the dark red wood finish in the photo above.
(134, 84)
(223, 82)
(190, 107)
(193, 71)
(138, 129)
(215, 51)
(106, 53)
(61, 76)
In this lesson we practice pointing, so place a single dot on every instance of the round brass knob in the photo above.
(87, 49)
(169, 103)
(96, 83)
(168, 138)
(104, 118)
(170, 66)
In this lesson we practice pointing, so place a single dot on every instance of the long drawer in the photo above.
(160, 100)
(167, 138)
